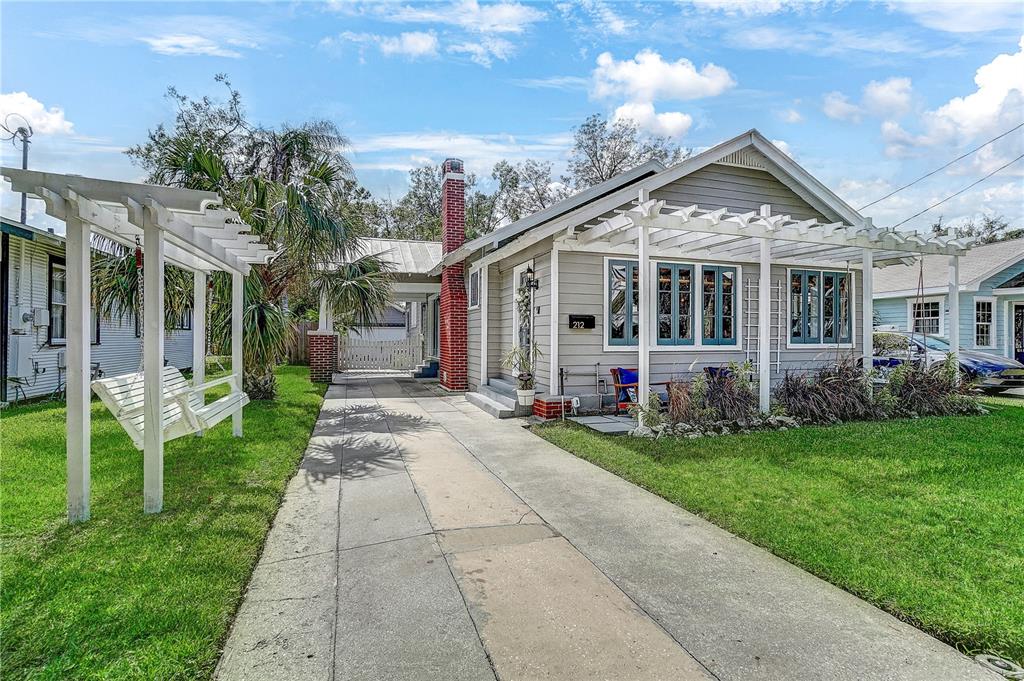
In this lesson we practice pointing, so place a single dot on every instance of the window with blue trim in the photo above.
(675, 304)
(623, 303)
(820, 307)
(718, 305)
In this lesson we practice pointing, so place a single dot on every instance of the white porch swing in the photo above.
(184, 407)
(156, 403)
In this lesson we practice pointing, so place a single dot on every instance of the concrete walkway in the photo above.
(424, 540)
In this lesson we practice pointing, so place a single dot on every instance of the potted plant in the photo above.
(520, 360)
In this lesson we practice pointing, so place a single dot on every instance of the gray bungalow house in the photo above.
(736, 254)
(990, 315)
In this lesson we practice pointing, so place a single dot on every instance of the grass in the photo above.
(924, 518)
(127, 595)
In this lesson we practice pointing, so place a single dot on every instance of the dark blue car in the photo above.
(992, 373)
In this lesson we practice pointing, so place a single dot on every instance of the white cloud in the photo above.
(412, 45)
(553, 83)
(784, 147)
(838, 106)
(45, 121)
(668, 124)
(485, 51)
(994, 107)
(501, 17)
(751, 8)
(188, 45)
(647, 77)
(791, 116)
(604, 18)
(834, 42)
(963, 17)
(890, 97)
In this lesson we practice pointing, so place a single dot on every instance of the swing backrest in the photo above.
(124, 396)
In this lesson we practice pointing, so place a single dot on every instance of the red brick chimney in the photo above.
(454, 327)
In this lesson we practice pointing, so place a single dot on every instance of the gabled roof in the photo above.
(788, 171)
(512, 230)
(977, 265)
(406, 256)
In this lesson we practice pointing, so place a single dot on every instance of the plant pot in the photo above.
(525, 397)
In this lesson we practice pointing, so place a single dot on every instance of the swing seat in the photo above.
(184, 410)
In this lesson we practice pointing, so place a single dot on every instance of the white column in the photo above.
(326, 322)
(644, 340)
(553, 383)
(484, 288)
(198, 328)
(237, 290)
(868, 308)
(764, 326)
(953, 318)
(153, 363)
(77, 358)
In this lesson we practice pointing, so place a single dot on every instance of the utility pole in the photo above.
(19, 132)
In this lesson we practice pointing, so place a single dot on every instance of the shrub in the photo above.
(731, 395)
(832, 394)
(935, 391)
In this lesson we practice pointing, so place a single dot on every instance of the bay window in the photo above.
(820, 307)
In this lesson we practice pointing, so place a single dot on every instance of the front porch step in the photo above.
(504, 392)
(497, 409)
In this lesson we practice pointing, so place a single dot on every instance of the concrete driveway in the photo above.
(422, 539)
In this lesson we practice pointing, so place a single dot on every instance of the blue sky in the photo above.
(866, 95)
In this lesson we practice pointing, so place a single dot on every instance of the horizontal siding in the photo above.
(118, 351)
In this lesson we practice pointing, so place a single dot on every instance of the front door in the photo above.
(1018, 331)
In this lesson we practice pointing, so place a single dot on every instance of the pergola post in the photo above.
(764, 327)
(79, 323)
(198, 328)
(326, 316)
(237, 286)
(953, 318)
(153, 365)
(644, 325)
(868, 308)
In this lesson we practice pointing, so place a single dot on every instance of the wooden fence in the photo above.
(357, 353)
(298, 344)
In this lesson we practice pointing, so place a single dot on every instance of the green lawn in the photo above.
(923, 518)
(126, 595)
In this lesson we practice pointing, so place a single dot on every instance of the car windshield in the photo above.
(933, 343)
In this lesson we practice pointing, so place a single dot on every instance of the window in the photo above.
(675, 304)
(983, 316)
(57, 302)
(820, 307)
(623, 303)
(180, 322)
(926, 317)
(474, 289)
(718, 305)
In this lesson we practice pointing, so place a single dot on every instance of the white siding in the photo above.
(118, 351)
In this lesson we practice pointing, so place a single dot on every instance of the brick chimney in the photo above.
(454, 326)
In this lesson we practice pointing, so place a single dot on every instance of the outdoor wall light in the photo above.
(531, 279)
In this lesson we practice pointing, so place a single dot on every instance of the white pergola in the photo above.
(653, 229)
(178, 226)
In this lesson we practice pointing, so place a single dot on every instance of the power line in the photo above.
(958, 158)
(976, 182)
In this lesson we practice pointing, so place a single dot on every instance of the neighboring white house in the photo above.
(991, 311)
(33, 301)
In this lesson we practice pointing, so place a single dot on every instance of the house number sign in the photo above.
(582, 321)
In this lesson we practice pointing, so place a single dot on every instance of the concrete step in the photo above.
(492, 407)
(502, 398)
(503, 386)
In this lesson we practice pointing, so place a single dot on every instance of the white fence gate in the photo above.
(358, 353)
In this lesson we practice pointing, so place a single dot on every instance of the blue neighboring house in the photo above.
(991, 314)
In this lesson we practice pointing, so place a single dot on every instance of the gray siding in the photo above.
(118, 351)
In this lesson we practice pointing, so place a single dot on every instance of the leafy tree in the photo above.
(525, 188)
(294, 187)
(991, 229)
(603, 149)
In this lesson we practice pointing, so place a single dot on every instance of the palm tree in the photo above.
(288, 186)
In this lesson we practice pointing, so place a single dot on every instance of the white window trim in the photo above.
(994, 345)
(790, 345)
(473, 272)
(60, 341)
(651, 317)
(941, 300)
